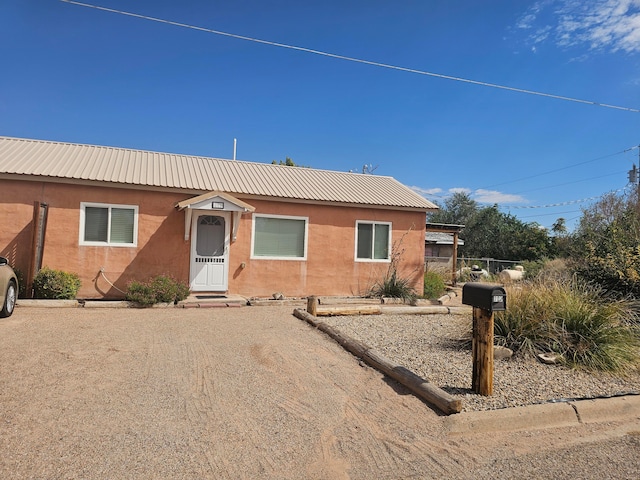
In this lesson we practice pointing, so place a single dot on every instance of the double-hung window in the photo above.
(373, 241)
(108, 225)
(279, 237)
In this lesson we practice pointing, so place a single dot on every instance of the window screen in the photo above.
(279, 237)
(108, 225)
(372, 241)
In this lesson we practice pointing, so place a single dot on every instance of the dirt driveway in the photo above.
(212, 393)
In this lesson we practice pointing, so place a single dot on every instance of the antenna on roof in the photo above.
(235, 146)
(369, 169)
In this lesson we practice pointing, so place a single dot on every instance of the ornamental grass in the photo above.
(581, 323)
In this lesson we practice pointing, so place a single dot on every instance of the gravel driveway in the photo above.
(199, 393)
(221, 393)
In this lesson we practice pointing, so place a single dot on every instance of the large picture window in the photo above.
(104, 224)
(279, 237)
(373, 241)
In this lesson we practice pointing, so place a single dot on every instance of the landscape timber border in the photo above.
(423, 389)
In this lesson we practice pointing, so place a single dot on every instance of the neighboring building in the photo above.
(438, 246)
(113, 215)
(441, 247)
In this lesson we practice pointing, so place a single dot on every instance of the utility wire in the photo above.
(562, 204)
(549, 214)
(353, 59)
(571, 183)
(562, 168)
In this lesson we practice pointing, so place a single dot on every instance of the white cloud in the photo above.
(426, 191)
(493, 196)
(600, 25)
(480, 195)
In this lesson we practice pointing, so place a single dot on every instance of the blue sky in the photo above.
(78, 74)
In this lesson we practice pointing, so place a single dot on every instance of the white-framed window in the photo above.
(103, 224)
(279, 237)
(373, 241)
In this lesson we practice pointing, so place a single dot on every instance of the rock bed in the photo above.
(430, 346)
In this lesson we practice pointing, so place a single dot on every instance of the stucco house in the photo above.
(113, 215)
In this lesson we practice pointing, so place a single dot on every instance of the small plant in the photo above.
(56, 284)
(169, 290)
(160, 289)
(394, 287)
(140, 293)
(434, 285)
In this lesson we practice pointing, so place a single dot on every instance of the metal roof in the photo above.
(121, 166)
(441, 238)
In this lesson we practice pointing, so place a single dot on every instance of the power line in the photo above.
(549, 214)
(353, 59)
(562, 204)
(570, 183)
(562, 168)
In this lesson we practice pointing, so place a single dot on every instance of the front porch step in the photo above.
(212, 300)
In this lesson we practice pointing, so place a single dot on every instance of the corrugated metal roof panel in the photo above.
(138, 167)
(442, 238)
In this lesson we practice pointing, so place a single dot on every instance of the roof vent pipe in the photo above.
(235, 145)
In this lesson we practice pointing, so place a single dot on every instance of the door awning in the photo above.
(214, 202)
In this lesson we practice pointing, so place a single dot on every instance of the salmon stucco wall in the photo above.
(330, 267)
(16, 218)
(161, 248)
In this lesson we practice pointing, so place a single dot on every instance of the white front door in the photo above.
(210, 252)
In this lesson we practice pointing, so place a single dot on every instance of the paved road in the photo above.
(243, 393)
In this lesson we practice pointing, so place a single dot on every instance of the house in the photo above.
(113, 215)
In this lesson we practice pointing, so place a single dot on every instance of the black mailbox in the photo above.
(484, 295)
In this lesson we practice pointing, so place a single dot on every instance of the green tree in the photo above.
(491, 233)
(606, 247)
(288, 162)
(559, 226)
(561, 242)
(458, 209)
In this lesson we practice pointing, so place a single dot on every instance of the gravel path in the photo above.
(429, 346)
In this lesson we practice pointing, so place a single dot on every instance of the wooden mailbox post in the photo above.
(485, 299)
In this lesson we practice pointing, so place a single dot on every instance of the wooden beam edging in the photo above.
(419, 386)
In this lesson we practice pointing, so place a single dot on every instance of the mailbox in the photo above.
(484, 295)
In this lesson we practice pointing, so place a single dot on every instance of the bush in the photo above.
(22, 285)
(594, 333)
(434, 285)
(160, 289)
(521, 327)
(394, 287)
(587, 328)
(56, 284)
(533, 268)
(140, 293)
(556, 269)
(605, 247)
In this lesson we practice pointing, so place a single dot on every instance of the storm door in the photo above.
(210, 253)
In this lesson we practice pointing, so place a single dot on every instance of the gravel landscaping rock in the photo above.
(431, 347)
